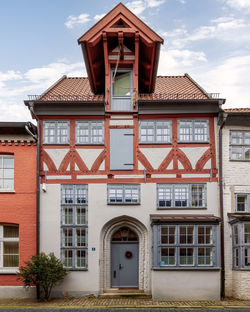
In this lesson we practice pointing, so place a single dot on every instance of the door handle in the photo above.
(120, 266)
(114, 274)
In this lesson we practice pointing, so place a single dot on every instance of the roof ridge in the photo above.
(197, 85)
(53, 86)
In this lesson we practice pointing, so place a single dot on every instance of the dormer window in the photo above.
(121, 90)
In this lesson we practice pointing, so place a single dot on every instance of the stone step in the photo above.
(124, 290)
(125, 293)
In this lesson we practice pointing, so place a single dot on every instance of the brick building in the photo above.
(17, 203)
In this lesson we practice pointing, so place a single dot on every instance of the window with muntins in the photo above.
(193, 130)
(74, 230)
(6, 173)
(9, 246)
(123, 193)
(240, 145)
(90, 132)
(155, 131)
(242, 202)
(181, 195)
(121, 90)
(56, 132)
(241, 245)
(185, 246)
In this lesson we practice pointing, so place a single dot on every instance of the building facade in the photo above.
(236, 189)
(17, 204)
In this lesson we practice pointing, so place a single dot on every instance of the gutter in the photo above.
(222, 291)
(31, 107)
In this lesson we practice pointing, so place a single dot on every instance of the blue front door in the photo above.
(124, 265)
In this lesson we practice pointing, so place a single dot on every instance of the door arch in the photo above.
(107, 233)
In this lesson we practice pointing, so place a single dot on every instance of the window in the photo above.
(155, 131)
(122, 90)
(123, 193)
(185, 245)
(9, 246)
(90, 132)
(74, 201)
(242, 202)
(240, 145)
(193, 130)
(181, 195)
(241, 245)
(6, 172)
(56, 132)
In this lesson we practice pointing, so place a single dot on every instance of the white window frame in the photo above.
(241, 146)
(240, 246)
(57, 137)
(151, 127)
(194, 127)
(169, 192)
(192, 242)
(90, 126)
(73, 199)
(247, 202)
(124, 190)
(2, 241)
(3, 171)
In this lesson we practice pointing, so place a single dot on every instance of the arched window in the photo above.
(124, 234)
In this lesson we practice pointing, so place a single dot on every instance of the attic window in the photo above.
(120, 24)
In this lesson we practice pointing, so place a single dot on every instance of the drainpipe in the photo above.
(31, 107)
(222, 292)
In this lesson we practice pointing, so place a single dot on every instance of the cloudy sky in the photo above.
(209, 39)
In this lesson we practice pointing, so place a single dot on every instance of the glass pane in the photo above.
(235, 234)
(186, 256)
(68, 258)
(67, 237)
(205, 235)
(236, 153)
(80, 237)
(10, 231)
(236, 257)
(68, 195)
(82, 132)
(131, 195)
(205, 256)
(241, 203)
(68, 215)
(147, 131)
(8, 173)
(163, 132)
(236, 137)
(247, 153)
(116, 195)
(80, 215)
(168, 235)
(8, 162)
(201, 131)
(168, 256)
(185, 131)
(121, 85)
(10, 254)
(81, 258)
(124, 234)
(247, 138)
(81, 195)
(8, 184)
(247, 233)
(181, 196)
(96, 132)
(198, 195)
(247, 257)
(165, 196)
(186, 234)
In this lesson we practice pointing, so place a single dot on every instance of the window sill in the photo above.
(239, 160)
(61, 144)
(193, 142)
(8, 191)
(9, 270)
(76, 269)
(89, 144)
(181, 208)
(124, 204)
(189, 268)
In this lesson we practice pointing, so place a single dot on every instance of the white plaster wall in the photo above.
(99, 213)
(155, 155)
(89, 155)
(186, 285)
(57, 155)
(194, 154)
(236, 178)
(121, 122)
(12, 292)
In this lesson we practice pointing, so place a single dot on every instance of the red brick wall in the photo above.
(20, 207)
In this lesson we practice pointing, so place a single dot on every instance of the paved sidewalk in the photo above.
(103, 305)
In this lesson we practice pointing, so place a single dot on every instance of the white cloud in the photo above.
(97, 17)
(139, 6)
(239, 4)
(177, 62)
(77, 20)
(231, 79)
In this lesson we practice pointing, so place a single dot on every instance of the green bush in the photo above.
(43, 271)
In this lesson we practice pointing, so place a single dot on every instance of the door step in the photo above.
(124, 293)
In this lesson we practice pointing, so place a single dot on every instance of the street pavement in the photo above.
(27, 309)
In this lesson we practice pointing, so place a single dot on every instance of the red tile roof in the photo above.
(167, 87)
(237, 110)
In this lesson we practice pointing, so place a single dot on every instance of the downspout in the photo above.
(222, 245)
(31, 107)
